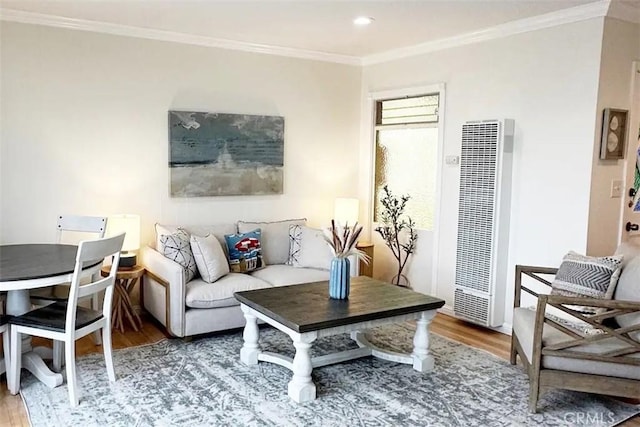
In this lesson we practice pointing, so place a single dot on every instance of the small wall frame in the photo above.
(614, 134)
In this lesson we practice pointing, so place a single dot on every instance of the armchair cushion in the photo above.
(586, 276)
(628, 289)
(523, 328)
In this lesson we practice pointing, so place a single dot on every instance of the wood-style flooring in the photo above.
(12, 412)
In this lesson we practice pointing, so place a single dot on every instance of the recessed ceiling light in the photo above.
(363, 20)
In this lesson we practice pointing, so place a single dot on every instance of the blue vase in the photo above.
(339, 278)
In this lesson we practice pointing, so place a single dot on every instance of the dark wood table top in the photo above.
(307, 307)
(36, 261)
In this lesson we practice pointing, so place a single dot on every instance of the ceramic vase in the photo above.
(339, 278)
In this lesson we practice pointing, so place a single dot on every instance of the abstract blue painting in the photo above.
(215, 154)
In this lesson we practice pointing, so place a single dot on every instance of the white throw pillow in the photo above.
(177, 248)
(210, 258)
(274, 239)
(309, 249)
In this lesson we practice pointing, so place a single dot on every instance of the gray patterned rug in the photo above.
(203, 383)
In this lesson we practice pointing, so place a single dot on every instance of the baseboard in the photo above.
(505, 328)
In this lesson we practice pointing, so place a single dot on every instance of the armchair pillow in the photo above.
(587, 276)
(177, 248)
(210, 258)
(245, 251)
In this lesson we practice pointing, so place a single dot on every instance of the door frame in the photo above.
(372, 98)
(633, 126)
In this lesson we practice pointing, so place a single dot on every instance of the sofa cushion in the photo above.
(523, 325)
(628, 289)
(200, 294)
(245, 251)
(177, 248)
(210, 258)
(309, 249)
(282, 275)
(275, 238)
(586, 276)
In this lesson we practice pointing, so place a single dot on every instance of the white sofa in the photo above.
(198, 307)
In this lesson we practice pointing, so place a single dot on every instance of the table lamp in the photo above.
(130, 225)
(346, 211)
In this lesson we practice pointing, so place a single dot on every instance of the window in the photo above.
(406, 136)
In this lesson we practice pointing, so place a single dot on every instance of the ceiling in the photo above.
(310, 25)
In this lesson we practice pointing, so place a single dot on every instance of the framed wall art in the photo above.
(614, 133)
(215, 154)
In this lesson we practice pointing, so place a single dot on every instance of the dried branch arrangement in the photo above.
(343, 241)
(393, 229)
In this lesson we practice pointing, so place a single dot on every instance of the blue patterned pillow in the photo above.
(245, 251)
(177, 247)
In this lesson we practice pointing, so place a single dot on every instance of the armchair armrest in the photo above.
(627, 345)
(533, 272)
(170, 275)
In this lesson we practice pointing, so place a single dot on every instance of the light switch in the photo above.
(616, 189)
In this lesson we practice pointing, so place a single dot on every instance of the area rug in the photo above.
(203, 383)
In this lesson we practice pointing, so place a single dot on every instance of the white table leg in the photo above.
(422, 360)
(301, 388)
(250, 349)
(18, 302)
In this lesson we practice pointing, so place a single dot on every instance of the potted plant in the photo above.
(398, 233)
(342, 241)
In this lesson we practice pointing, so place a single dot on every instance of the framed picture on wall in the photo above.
(614, 134)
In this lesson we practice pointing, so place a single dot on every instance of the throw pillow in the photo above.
(309, 249)
(274, 239)
(245, 251)
(210, 258)
(177, 248)
(586, 276)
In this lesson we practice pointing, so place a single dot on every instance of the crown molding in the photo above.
(23, 17)
(547, 20)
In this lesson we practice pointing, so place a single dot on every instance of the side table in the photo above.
(121, 308)
(366, 269)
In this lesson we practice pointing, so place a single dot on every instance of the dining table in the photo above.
(30, 266)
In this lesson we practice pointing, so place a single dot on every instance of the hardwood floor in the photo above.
(12, 412)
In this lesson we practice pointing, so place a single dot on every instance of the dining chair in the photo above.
(66, 321)
(69, 226)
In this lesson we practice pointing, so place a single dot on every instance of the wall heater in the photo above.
(483, 222)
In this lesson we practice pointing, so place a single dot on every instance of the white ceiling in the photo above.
(311, 25)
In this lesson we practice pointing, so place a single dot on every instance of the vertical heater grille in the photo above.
(476, 205)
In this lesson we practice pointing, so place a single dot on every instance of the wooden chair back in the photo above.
(90, 251)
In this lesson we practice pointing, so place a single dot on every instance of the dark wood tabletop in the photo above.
(36, 261)
(307, 307)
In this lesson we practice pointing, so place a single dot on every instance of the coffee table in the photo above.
(305, 313)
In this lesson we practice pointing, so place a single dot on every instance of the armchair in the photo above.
(602, 358)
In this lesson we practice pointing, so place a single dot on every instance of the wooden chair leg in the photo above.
(72, 383)
(95, 305)
(514, 353)
(13, 376)
(107, 351)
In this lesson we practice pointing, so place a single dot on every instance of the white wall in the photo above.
(620, 47)
(547, 81)
(84, 128)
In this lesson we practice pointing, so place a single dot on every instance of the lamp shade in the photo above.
(346, 210)
(129, 224)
